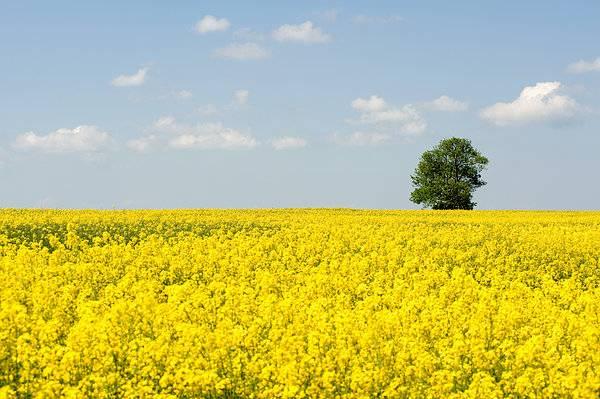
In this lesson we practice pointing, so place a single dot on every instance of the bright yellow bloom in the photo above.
(299, 304)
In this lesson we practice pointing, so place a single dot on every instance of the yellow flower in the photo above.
(299, 304)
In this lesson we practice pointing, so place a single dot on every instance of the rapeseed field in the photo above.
(299, 304)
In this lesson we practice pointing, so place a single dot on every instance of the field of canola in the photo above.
(299, 304)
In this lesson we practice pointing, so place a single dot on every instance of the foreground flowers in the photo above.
(299, 303)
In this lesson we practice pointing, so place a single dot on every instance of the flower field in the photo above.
(299, 304)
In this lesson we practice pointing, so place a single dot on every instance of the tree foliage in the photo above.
(447, 175)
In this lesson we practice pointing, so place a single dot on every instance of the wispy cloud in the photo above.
(143, 144)
(288, 143)
(447, 104)
(371, 104)
(361, 139)
(248, 34)
(242, 51)
(168, 133)
(330, 15)
(208, 110)
(212, 136)
(375, 110)
(137, 79)
(184, 94)
(362, 19)
(241, 96)
(83, 139)
(582, 66)
(381, 122)
(304, 33)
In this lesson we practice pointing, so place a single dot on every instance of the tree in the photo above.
(447, 175)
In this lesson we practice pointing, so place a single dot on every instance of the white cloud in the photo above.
(375, 111)
(248, 34)
(371, 104)
(241, 96)
(213, 136)
(210, 23)
(143, 144)
(304, 33)
(582, 66)
(86, 139)
(384, 122)
(406, 119)
(164, 122)
(208, 110)
(242, 51)
(448, 104)
(137, 79)
(184, 94)
(286, 143)
(328, 15)
(539, 103)
(171, 134)
(361, 139)
(380, 20)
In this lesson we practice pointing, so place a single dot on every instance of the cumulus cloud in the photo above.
(384, 122)
(582, 66)
(242, 51)
(540, 103)
(375, 111)
(137, 79)
(168, 133)
(84, 139)
(406, 118)
(362, 139)
(241, 96)
(371, 104)
(210, 23)
(447, 104)
(287, 143)
(212, 136)
(304, 33)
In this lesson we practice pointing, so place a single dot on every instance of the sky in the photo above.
(236, 104)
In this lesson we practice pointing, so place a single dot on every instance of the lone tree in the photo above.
(447, 175)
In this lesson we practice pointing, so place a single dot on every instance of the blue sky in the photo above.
(294, 104)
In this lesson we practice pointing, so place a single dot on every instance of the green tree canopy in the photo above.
(447, 175)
